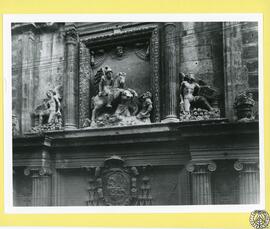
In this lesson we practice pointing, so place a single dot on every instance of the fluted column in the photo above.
(201, 181)
(71, 79)
(249, 185)
(41, 186)
(170, 73)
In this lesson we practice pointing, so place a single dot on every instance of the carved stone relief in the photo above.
(48, 115)
(197, 100)
(15, 125)
(143, 51)
(147, 51)
(119, 52)
(84, 80)
(117, 105)
(243, 105)
(116, 185)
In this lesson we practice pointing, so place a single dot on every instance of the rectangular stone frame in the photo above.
(133, 30)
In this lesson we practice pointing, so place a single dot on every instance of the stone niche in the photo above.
(133, 51)
(131, 58)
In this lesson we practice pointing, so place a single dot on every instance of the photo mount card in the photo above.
(165, 149)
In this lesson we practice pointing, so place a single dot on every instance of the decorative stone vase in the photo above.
(243, 105)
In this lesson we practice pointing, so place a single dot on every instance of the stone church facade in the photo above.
(135, 113)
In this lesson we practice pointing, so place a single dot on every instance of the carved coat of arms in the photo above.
(116, 187)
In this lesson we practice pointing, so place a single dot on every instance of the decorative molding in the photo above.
(145, 197)
(98, 57)
(71, 35)
(108, 35)
(84, 84)
(155, 78)
(36, 27)
(143, 51)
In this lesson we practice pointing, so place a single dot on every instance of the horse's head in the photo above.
(126, 95)
(121, 80)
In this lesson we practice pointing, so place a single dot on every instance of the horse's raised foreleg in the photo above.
(93, 118)
(40, 119)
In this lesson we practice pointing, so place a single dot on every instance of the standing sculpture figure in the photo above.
(147, 107)
(189, 94)
(53, 105)
(106, 85)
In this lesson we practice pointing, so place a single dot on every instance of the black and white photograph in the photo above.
(143, 113)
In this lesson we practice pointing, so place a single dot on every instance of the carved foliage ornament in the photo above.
(71, 35)
(154, 60)
(143, 51)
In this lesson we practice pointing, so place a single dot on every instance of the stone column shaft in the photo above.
(170, 73)
(71, 79)
(201, 182)
(249, 184)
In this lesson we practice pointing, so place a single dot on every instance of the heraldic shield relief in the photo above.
(115, 184)
(116, 187)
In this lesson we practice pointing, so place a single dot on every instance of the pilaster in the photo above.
(41, 186)
(201, 181)
(249, 185)
(41, 177)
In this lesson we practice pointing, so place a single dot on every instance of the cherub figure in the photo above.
(50, 110)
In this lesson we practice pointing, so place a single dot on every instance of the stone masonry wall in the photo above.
(37, 66)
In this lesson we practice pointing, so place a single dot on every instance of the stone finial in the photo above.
(243, 106)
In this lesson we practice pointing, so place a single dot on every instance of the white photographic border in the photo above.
(28, 18)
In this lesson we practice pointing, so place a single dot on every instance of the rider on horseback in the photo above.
(106, 85)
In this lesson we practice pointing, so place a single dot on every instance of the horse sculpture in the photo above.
(119, 88)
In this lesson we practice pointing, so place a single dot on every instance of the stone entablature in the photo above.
(186, 147)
